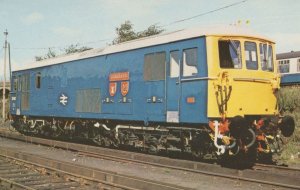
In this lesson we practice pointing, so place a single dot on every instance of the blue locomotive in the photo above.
(289, 67)
(290, 79)
(209, 91)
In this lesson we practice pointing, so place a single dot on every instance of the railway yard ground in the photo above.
(130, 170)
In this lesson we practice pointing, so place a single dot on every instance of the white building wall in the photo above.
(292, 63)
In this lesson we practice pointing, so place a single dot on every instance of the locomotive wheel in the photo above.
(248, 137)
(98, 140)
(152, 150)
(240, 129)
(197, 155)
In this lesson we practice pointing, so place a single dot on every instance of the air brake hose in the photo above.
(253, 138)
(232, 145)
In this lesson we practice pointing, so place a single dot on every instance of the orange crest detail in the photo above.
(113, 77)
(124, 88)
(112, 88)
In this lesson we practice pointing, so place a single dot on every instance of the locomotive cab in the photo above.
(247, 66)
(243, 88)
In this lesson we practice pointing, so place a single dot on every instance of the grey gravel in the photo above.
(181, 178)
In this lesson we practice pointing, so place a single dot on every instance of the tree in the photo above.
(38, 58)
(75, 48)
(51, 53)
(152, 30)
(126, 32)
(71, 49)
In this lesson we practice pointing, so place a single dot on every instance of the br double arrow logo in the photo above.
(63, 99)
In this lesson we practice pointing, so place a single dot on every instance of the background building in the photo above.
(289, 66)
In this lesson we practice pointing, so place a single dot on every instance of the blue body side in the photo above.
(290, 79)
(93, 73)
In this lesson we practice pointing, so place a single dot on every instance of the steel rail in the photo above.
(6, 153)
(215, 174)
(113, 179)
(14, 174)
(9, 184)
(275, 167)
(183, 165)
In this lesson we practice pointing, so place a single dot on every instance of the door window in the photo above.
(190, 59)
(15, 84)
(25, 87)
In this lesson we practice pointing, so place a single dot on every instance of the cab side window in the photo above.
(266, 57)
(230, 54)
(38, 78)
(154, 66)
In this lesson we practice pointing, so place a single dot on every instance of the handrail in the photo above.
(196, 79)
(253, 80)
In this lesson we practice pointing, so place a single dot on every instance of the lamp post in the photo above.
(4, 76)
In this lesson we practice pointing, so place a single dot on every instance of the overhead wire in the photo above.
(205, 13)
(162, 26)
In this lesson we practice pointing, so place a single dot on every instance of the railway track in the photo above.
(103, 180)
(17, 174)
(276, 176)
(259, 174)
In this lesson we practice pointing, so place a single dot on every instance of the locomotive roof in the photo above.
(163, 38)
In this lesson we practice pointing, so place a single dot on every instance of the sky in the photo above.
(35, 25)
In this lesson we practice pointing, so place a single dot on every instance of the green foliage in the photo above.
(289, 99)
(126, 32)
(152, 30)
(38, 58)
(71, 49)
(75, 48)
(51, 53)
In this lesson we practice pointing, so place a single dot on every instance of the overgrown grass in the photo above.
(289, 104)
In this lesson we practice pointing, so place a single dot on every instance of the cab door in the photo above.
(193, 86)
(18, 95)
(13, 95)
(173, 87)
